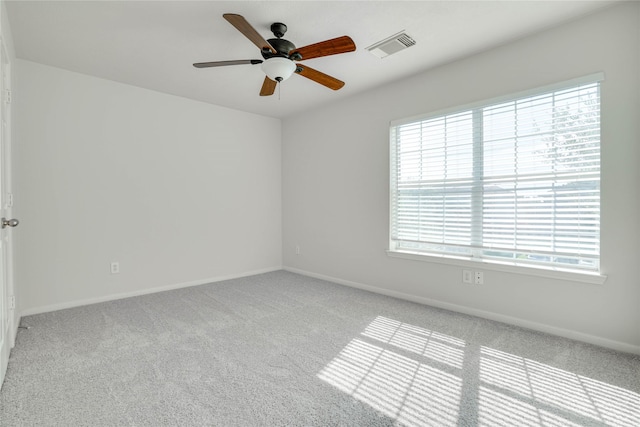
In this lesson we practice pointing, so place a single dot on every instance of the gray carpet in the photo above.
(280, 349)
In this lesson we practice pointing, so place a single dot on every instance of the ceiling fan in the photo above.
(280, 55)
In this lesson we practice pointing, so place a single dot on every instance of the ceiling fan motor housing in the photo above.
(282, 47)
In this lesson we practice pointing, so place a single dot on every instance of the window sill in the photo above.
(561, 274)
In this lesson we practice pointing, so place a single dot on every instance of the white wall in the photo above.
(177, 191)
(336, 186)
(5, 29)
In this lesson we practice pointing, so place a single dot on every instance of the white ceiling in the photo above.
(152, 44)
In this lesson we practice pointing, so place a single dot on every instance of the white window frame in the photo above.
(594, 276)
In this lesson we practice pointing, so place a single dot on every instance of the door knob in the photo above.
(9, 222)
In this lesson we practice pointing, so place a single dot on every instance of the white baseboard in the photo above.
(112, 297)
(540, 327)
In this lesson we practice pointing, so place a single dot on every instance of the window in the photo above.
(515, 181)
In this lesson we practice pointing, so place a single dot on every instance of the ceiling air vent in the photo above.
(391, 45)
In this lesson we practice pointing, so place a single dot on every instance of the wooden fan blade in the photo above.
(318, 77)
(268, 87)
(249, 32)
(328, 47)
(223, 63)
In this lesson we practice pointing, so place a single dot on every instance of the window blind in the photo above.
(515, 181)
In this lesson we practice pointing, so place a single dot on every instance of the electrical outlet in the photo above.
(479, 278)
(115, 267)
(467, 276)
(297, 249)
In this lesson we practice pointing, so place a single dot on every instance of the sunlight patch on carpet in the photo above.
(546, 387)
(422, 377)
(410, 391)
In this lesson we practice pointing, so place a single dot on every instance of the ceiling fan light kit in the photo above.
(280, 55)
(278, 68)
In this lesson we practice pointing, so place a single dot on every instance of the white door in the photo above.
(7, 301)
